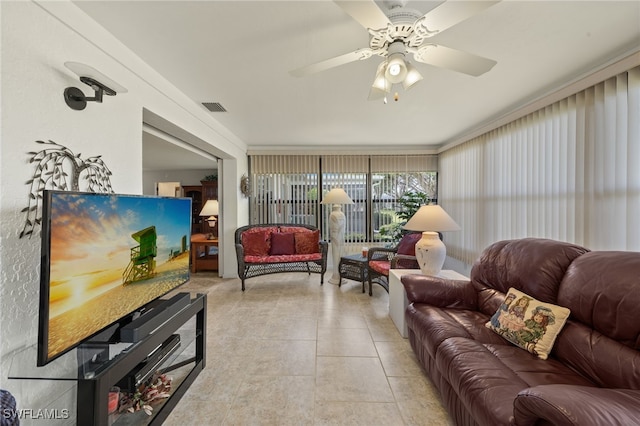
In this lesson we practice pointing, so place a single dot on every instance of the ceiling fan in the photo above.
(401, 31)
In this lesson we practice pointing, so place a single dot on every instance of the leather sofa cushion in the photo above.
(606, 362)
(485, 376)
(601, 340)
(434, 325)
(480, 379)
(600, 288)
(532, 265)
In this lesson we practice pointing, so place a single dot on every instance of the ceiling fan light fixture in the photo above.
(380, 82)
(396, 68)
(413, 76)
(381, 86)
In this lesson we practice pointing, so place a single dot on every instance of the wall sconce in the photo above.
(100, 83)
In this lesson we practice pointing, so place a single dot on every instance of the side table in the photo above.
(201, 257)
(353, 267)
(398, 297)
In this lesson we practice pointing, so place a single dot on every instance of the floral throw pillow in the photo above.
(528, 323)
(307, 242)
(256, 243)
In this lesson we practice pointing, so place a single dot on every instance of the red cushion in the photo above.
(261, 229)
(294, 229)
(282, 243)
(407, 244)
(307, 242)
(284, 258)
(380, 266)
(256, 243)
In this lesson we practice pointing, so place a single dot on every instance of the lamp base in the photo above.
(336, 233)
(430, 253)
(334, 280)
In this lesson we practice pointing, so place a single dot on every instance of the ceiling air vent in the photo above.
(214, 106)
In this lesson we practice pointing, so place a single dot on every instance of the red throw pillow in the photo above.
(282, 243)
(408, 244)
(256, 243)
(307, 242)
(294, 229)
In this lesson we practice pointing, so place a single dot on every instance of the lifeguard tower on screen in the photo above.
(143, 257)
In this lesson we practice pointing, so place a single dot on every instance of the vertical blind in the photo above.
(284, 188)
(348, 172)
(569, 171)
(289, 188)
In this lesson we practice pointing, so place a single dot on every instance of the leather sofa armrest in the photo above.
(441, 292)
(576, 405)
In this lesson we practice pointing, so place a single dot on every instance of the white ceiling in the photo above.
(239, 53)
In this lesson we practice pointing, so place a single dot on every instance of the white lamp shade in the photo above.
(337, 196)
(431, 218)
(413, 76)
(380, 82)
(210, 208)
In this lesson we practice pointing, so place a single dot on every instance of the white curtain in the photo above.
(570, 172)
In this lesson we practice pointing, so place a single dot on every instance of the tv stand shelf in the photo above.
(98, 366)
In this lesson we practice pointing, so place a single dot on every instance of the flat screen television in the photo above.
(105, 256)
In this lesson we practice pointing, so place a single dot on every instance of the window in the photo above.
(286, 190)
(387, 188)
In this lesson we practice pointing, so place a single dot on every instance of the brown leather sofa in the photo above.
(592, 374)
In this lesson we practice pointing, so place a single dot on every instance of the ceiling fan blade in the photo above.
(450, 13)
(367, 13)
(358, 55)
(456, 60)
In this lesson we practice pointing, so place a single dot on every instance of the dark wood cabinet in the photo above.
(199, 195)
(210, 189)
(209, 192)
(195, 193)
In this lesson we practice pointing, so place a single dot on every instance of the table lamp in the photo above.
(210, 209)
(337, 221)
(430, 250)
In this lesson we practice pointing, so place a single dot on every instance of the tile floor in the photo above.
(288, 351)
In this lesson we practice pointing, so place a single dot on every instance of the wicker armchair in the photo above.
(381, 259)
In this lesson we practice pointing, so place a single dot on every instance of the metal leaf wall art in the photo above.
(57, 167)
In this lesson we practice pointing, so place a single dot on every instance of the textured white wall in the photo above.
(33, 80)
(37, 38)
